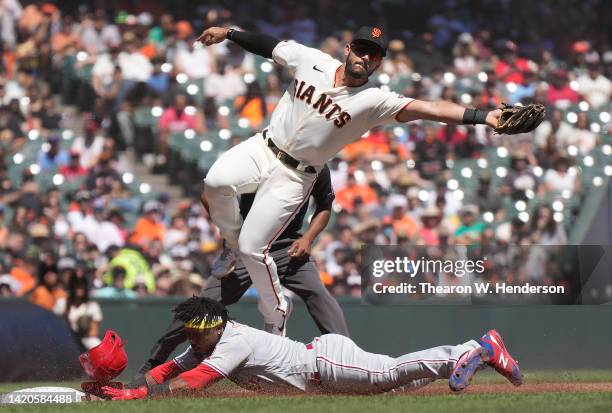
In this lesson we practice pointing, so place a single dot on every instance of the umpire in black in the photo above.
(297, 272)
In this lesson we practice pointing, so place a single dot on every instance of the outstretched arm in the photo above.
(260, 44)
(195, 379)
(447, 112)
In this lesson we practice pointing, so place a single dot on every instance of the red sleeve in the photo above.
(201, 376)
(165, 371)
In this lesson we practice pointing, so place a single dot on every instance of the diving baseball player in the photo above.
(256, 360)
(328, 105)
(297, 272)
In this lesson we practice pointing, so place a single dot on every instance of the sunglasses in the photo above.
(361, 49)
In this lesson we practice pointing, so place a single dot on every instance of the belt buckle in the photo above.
(279, 156)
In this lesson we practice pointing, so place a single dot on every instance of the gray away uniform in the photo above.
(263, 362)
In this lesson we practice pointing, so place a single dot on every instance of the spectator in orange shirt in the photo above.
(64, 38)
(490, 95)
(148, 49)
(346, 197)
(49, 294)
(403, 224)
(149, 227)
(375, 144)
(24, 278)
(253, 105)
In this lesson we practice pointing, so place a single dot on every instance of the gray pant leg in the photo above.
(344, 367)
(434, 363)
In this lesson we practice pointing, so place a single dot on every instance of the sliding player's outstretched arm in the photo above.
(167, 379)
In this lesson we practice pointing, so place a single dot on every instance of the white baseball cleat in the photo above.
(280, 328)
(225, 263)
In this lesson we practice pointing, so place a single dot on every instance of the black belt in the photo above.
(285, 158)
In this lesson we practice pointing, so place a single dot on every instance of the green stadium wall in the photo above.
(541, 337)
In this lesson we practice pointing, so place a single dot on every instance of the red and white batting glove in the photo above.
(125, 394)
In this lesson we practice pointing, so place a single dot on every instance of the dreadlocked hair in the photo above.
(201, 309)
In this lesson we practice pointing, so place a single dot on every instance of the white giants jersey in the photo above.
(256, 360)
(314, 119)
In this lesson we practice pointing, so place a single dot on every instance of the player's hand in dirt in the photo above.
(493, 118)
(125, 394)
(300, 248)
(93, 388)
(212, 35)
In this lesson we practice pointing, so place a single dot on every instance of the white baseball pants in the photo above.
(346, 368)
(280, 192)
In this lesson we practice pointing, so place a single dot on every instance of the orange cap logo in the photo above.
(376, 32)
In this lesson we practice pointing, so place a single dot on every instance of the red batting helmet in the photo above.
(105, 361)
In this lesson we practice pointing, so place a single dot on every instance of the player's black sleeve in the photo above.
(323, 192)
(258, 43)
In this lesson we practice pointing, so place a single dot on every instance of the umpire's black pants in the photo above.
(299, 276)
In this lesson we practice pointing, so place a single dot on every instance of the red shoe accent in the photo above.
(500, 358)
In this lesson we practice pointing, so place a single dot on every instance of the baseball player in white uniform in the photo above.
(257, 360)
(328, 105)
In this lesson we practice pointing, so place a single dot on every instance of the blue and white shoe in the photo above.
(492, 352)
(467, 366)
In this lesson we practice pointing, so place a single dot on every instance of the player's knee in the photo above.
(248, 246)
(215, 185)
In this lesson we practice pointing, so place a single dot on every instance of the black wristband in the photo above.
(158, 389)
(475, 117)
(229, 34)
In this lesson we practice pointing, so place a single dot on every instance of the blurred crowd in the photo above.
(393, 186)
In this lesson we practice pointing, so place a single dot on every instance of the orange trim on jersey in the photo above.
(285, 225)
(403, 107)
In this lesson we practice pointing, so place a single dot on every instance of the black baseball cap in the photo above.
(374, 35)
